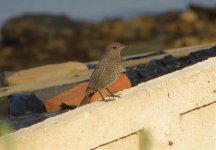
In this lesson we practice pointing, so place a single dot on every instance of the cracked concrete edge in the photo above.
(198, 128)
(155, 105)
(140, 140)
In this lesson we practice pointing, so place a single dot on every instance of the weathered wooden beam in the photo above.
(33, 86)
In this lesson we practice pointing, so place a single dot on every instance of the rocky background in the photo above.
(34, 40)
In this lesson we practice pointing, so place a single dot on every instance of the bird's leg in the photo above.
(103, 99)
(101, 95)
(113, 95)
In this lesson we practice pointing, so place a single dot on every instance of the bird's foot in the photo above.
(111, 99)
(107, 100)
(115, 95)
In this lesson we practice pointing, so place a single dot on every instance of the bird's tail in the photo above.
(87, 98)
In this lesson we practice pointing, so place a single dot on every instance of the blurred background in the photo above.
(39, 32)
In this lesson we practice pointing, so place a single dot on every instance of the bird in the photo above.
(106, 72)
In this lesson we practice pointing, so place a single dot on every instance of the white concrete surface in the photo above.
(154, 106)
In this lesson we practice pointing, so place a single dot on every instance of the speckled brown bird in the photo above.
(106, 72)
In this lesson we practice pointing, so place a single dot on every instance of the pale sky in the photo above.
(92, 9)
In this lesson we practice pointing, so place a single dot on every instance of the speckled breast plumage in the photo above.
(106, 73)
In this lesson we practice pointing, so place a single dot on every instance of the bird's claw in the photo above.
(115, 95)
(107, 100)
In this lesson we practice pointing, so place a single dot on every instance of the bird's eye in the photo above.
(114, 47)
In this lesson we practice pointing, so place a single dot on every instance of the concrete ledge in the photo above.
(129, 142)
(140, 140)
(156, 106)
(198, 128)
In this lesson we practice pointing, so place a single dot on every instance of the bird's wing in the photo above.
(95, 77)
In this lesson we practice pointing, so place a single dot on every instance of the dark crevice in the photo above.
(197, 108)
(114, 140)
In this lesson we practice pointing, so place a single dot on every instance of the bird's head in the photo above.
(115, 47)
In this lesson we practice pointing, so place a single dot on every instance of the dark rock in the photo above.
(30, 119)
(22, 104)
(168, 64)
